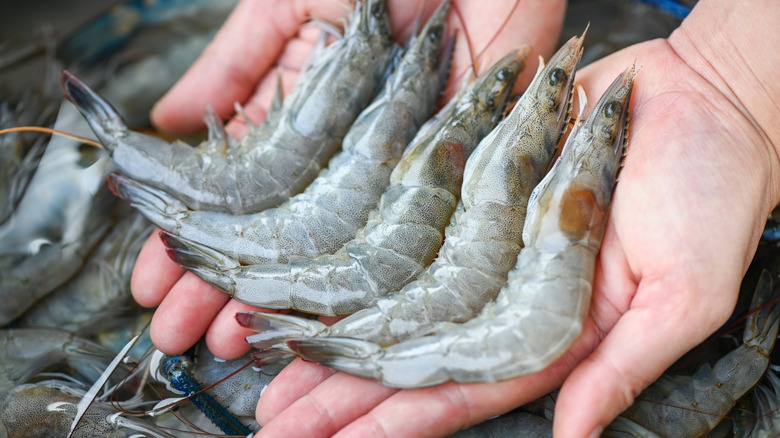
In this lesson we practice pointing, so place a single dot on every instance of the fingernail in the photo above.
(596, 432)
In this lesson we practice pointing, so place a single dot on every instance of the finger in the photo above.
(225, 337)
(231, 66)
(328, 407)
(154, 273)
(296, 379)
(185, 314)
(451, 407)
(482, 35)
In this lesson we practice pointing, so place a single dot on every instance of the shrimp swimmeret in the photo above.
(549, 287)
(402, 235)
(483, 239)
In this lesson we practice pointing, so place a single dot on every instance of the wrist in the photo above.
(732, 45)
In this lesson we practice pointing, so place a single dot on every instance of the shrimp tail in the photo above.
(353, 356)
(156, 205)
(274, 328)
(208, 264)
(762, 326)
(102, 117)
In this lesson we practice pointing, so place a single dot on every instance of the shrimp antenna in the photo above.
(51, 131)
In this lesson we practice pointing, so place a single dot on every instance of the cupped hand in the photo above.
(260, 38)
(699, 179)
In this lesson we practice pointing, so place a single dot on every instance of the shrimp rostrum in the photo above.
(336, 205)
(402, 235)
(273, 161)
(541, 310)
(484, 236)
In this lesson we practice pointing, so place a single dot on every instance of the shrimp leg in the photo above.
(541, 310)
(402, 235)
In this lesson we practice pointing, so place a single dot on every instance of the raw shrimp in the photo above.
(48, 410)
(541, 310)
(402, 235)
(271, 163)
(336, 205)
(712, 391)
(484, 237)
(101, 289)
(66, 210)
(27, 352)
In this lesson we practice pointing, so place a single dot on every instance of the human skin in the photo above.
(700, 177)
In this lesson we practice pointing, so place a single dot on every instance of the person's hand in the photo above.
(700, 177)
(259, 38)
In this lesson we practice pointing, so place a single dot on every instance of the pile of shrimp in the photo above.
(438, 234)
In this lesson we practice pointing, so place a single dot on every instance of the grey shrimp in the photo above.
(713, 390)
(541, 310)
(48, 409)
(101, 290)
(765, 421)
(336, 205)
(484, 237)
(402, 235)
(274, 161)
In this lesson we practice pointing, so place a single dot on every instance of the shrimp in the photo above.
(402, 235)
(484, 237)
(713, 390)
(29, 351)
(101, 289)
(272, 162)
(48, 409)
(336, 205)
(541, 310)
(65, 212)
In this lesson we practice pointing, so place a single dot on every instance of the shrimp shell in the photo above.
(336, 205)
(484, 237)
(402, 235)
(274, 161)
(542, 308)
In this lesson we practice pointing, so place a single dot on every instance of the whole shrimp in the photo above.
(402, 235)
(484, 237)
(541, 310)
(713, 390)
(336, 205)
(274, 161)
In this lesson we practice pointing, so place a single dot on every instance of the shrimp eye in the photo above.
(504, 74)
(435, 33)
(378, 10)
(556, 76)
(612, 108)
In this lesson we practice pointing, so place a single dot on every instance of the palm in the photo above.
(682, 170)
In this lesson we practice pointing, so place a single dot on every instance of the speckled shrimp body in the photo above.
(275, 160)
(402, 235)
(484, 237)
(336, 205)
(541, 310)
